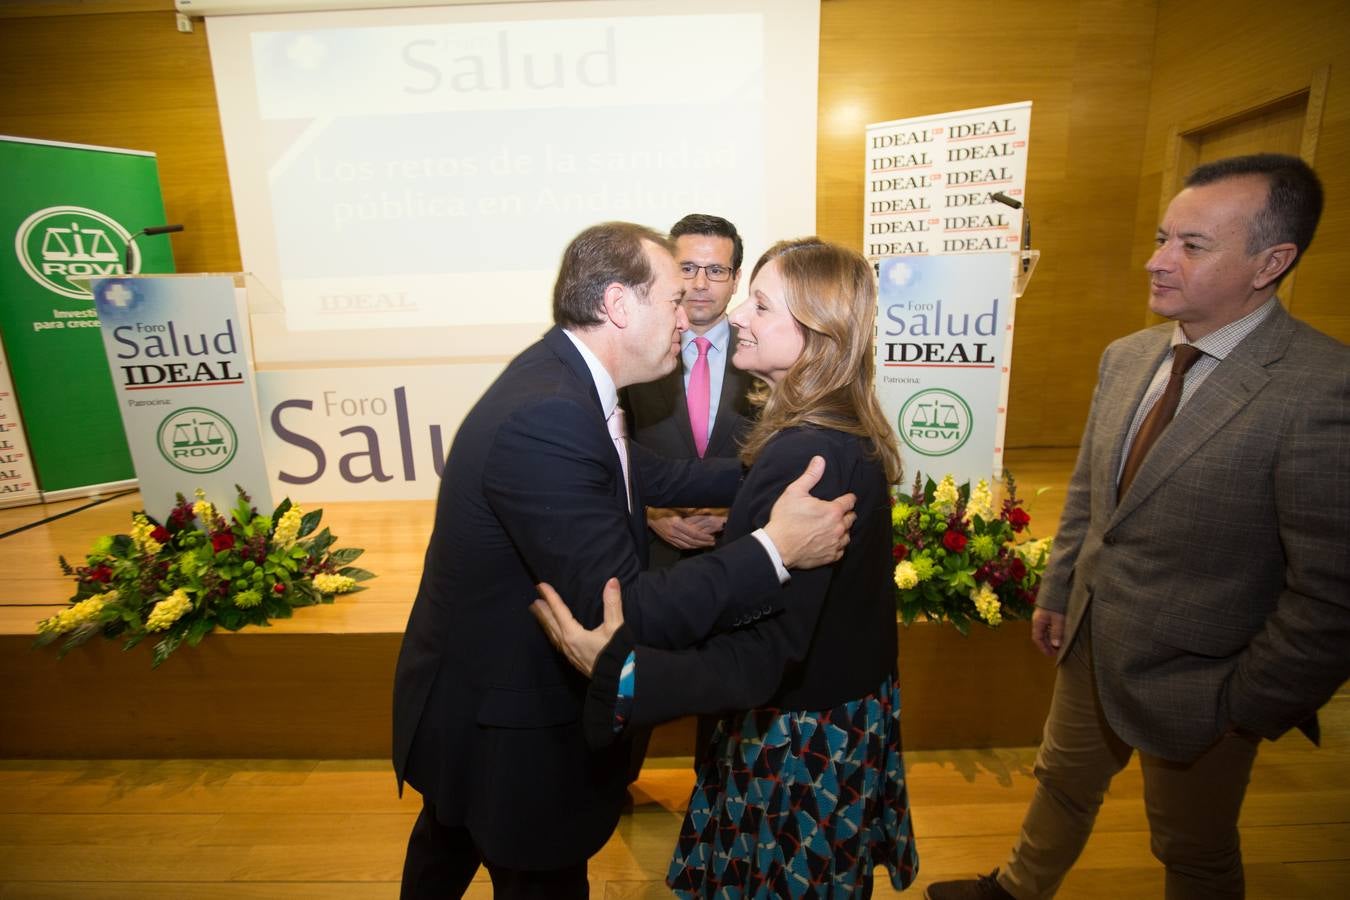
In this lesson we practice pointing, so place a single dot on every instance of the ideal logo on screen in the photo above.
(935, 422)
(197, 440)
(60, 247)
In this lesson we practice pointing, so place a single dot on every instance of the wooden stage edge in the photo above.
(319, 685)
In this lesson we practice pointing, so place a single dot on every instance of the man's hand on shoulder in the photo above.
(809, 532)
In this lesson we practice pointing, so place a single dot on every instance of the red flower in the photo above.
(1017, 570)
(160, 534)
(182, 515)
(222, 540)
(1018, 518)
(278, 588)
(899, 552)
(101, 574)
(954, 540)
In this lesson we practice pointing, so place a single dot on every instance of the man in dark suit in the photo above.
(704, 390)
(1198, 595)
(542, 485)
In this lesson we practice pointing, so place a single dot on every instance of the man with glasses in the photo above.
(700, 409)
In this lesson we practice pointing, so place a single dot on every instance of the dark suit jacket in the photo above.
(658, 417)
(1219, 588)
(834, 642)
(485, 710)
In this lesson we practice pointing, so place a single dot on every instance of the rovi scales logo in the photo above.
(935, 422)
(60, 246)
(197, 440)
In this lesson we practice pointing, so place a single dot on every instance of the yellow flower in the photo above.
(72, 617)
(288, 527)
(900, 514)
(141, 529)
(981, 502)
(986, 604)
(906, 576)
(168, 611)
(203, 509)
(333, 584)
(945, 497)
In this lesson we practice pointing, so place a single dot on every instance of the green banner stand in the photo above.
(69, 212)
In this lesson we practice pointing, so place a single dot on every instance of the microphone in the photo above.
(1000, 197)
(153, 230)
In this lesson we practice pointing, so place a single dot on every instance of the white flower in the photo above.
(945, 496)
(981, 502)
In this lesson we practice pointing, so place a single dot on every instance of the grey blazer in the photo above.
(1219, 588)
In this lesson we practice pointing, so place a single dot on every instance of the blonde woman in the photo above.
(803, 791)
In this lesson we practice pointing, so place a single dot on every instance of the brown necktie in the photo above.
(1183, 357)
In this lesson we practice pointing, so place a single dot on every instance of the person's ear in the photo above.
(616, 304)
(1275, 261)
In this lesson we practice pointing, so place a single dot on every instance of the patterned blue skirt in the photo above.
(799, 804)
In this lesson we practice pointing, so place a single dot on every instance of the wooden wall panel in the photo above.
(1108, 78)
(126, 79)
(1214, 60)
(1086, 67)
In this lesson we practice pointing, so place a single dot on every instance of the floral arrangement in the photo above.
(959, 561)
(198, 570)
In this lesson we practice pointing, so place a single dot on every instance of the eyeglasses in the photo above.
(714, 272)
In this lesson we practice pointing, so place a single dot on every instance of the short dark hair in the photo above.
(1293, 200)
(712, 226)
(598, 257)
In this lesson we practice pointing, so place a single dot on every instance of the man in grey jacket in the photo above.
(1198, 596)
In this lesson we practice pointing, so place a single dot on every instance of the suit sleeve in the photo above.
(685, 482)
(551, 482)
(1073, 523)
(742, 669)
(1299, 658)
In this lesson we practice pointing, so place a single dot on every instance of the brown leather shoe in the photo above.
(986, 887)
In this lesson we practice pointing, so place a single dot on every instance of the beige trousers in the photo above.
(1192, 808)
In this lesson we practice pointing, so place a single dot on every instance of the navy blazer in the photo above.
(486, 712)
(834, 642)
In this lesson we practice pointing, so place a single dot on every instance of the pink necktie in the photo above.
(619, 431)
(697, 396)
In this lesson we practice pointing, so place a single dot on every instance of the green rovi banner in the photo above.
(67, 212)
(178, 347)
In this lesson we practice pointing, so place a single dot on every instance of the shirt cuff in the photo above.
(623, 703)
(774, 556)
(599, 715)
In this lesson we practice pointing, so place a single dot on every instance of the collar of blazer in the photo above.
(562, 347)
(1230, 387)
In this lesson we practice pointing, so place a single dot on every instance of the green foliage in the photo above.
(961, 559)
(178, 581)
